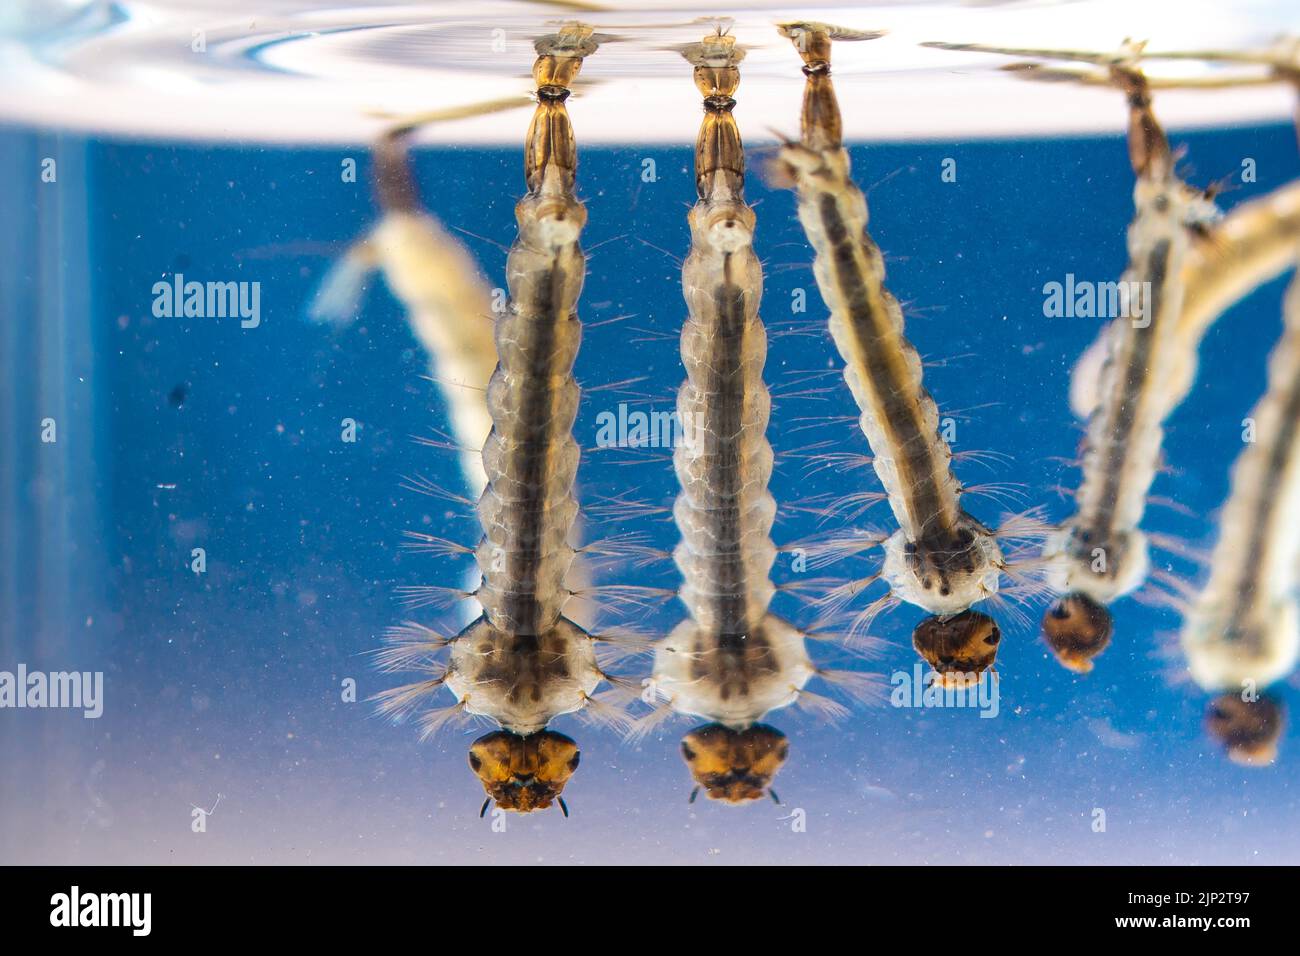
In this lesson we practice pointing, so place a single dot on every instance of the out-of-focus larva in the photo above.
(733, 660)
(1243, 628)
(522, 663)
(1100, 554)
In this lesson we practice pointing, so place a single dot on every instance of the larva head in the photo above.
(734, 766)
(960, 647)
(1248, 730)
(524, 773)
(1077, 629)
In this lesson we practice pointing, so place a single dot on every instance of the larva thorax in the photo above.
(522, 680)
(732, 679)
(941, 559)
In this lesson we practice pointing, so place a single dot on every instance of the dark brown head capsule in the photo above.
(734, 766)
(960, 647)
(1077, 629)
(523, 773)
(1248, 730)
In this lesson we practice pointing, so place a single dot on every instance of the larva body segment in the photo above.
(730, 679)
(1243, 629)
(524, 681)
(941, 559)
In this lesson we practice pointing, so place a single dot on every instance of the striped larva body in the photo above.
(1243, 628)
(941, 558)
(522, 662)
(724, 510)
(732, 661)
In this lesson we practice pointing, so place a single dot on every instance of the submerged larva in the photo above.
(733, 660)
(522, 663)
(1100, 553)
(941, 558)
(1243, 629)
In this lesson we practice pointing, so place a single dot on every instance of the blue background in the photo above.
(229, 682)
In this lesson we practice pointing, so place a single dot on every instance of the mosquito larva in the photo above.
(724, 511)
(522, 662)
(941, 558)
(1100, 554)
(733, 660)
(1242, 631)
